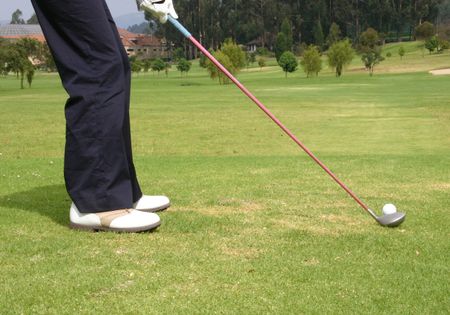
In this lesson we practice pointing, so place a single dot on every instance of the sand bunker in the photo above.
(440, 72)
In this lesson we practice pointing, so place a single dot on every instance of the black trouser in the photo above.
(94, 69)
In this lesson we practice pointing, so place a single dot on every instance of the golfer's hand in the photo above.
(160, 9)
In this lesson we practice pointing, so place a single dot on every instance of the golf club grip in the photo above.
(188, 35)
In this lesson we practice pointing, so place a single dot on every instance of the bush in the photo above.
(136, 66)
(401, 52)
(146, 64)
(231, 56)
(178, 53)
(389, 55)
(340, 54)
(372, 58)
(216, 73)
(368, 40)
(261, 62)
(262, 51)
(311, 62)
(183, 65)
(288, 62)
(158, 65)
(443, 44)
(235, 54)
(202, 61)
(436, 44)
(250, 58)
(425, 31)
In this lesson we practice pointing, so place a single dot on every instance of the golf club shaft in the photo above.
(188, 35)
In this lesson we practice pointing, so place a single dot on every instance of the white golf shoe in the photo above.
(123, 220)
(152, 203)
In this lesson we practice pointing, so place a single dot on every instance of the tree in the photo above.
(340, 54)
(32, 48)
(216, 73)
(146, 65)
(311, 62)
(167, 68)
(369, 40)
(401, 52)
(318, 34)
(48, 61)
(231, 56)
(30, 75)
(437, 44)
(371, 58)
(235, 54)
(16, 17)
(33, 19)
(136, 66)
(178, 53)
(212, 21)
(425, 31)
(15, 57)
(250, 58)
(158, 65)
(202, 60)
(183, 66)
(286, 29)
(370, 48)
(261, 62)
(288, 62)
(284, 40)
(442, 45)
(280, 45)
(17, 62)
(334, 34)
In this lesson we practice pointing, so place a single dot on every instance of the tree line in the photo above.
(212, 21)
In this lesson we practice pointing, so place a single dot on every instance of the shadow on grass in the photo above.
(51, 201)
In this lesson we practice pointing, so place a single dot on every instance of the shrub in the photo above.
(216, 73)
(311, 62)
(235, 54)
(401, 52)
(425, 31)
(261, 62)
(183, 65)
(372, 58)
(288, 62)
(158, 65)
(340, 54)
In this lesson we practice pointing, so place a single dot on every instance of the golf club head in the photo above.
(392, 220)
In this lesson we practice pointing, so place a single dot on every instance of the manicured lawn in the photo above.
(255, 226)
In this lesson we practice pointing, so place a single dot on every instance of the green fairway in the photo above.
(255, 226)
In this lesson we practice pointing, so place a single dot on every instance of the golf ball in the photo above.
(389, 208)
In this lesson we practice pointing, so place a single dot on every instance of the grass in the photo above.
(255, 226)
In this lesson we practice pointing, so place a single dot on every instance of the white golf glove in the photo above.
(160, 9)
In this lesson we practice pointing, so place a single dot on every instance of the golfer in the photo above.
(98, 165)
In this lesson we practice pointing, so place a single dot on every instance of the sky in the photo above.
(7, 7)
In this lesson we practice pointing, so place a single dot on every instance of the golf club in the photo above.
(390, 220)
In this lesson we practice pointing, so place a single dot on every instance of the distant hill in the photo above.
(148, 28)
(127, 20)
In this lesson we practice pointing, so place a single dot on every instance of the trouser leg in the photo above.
(137, 194)
(98, 168)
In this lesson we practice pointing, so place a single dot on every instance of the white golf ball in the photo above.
(389, 208)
